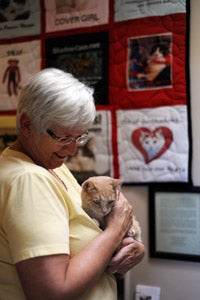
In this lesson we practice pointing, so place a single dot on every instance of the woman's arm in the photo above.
(59, 277)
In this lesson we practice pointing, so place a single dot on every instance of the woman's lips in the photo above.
(60, 156)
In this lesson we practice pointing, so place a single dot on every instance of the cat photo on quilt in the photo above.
(152, 143)
(99, 195)
(12, 10)
(68, 6)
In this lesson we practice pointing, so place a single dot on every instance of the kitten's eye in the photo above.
(96, 201)
(111, 202)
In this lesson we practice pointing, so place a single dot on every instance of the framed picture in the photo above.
(174, 222)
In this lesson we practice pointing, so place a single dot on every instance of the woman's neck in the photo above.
(18, 146)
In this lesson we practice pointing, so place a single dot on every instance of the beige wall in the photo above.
(178, 280)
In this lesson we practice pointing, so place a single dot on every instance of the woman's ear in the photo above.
(25, 124)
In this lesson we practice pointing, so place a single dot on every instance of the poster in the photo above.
(177, 222)
(153, 144)
(64, 15)
(134, 9)
(19, 18)
(85, 55)
(94, 158)
(18, 61)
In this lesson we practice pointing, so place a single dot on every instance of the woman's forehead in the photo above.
(68, 130)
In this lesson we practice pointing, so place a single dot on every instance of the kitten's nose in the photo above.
(105, 210)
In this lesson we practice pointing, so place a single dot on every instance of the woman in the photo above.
(49, 247)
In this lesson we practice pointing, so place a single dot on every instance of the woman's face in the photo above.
(46, 151)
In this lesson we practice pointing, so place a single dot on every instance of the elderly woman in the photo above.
(49, 247)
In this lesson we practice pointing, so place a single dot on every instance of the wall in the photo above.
(178, 280)
(195, 75)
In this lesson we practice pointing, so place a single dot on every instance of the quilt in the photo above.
(149, 89)
(135, 56)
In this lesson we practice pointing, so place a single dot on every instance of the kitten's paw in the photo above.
(131, 232)
(135, 234)
(96, 222)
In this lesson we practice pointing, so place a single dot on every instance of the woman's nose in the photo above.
(71, 148)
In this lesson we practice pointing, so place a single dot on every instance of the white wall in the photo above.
(178, 280)
(195, 87)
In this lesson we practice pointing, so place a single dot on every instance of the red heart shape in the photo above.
(152, 143)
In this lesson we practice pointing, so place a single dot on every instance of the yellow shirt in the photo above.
(38, 216)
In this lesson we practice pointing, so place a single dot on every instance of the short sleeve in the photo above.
(36, 221)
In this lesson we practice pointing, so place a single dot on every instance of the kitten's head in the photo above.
(99, 194)
(151, 140)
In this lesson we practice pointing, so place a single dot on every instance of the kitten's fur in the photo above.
(99, 194)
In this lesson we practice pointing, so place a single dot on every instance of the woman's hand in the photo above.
(119, 220)
(129, 254)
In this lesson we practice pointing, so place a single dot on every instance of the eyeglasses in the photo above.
(67, 140)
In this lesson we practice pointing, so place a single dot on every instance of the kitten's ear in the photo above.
(88, 186)
(117, 183)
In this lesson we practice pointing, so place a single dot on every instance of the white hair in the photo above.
(54, 96)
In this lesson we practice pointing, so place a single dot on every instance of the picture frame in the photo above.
(174, 222)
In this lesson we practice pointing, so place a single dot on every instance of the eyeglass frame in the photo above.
(67, 140)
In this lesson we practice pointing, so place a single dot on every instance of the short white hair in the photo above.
(54, 96)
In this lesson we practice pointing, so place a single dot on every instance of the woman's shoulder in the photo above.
(14, 164)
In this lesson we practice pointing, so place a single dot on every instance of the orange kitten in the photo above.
(99, 194)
